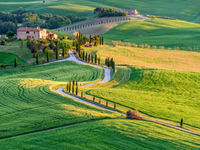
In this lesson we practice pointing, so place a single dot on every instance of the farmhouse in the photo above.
(25, 33)
(131, 12)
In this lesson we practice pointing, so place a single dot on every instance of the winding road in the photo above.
(107, 77)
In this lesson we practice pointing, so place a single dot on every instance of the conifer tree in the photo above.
(22, 43)
(92, 58)
(56, 53)
(83, 55)
(102, 40)
(69, 86)
(86, 57)
(95, 59)
(76, 88)
(90, 39)
(37, 58)
(99, 61)
(47, 56)
(73, 84)
(89, 58)
(15, 62)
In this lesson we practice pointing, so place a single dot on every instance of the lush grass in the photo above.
(159, 32)
(160, 93)
(187, 10)
(27, 103)
(8, 59)
(108, 134)
(15, 48)
(150, 58)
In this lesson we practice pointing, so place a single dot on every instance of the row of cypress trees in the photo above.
(110, 63)
(89, 58)
(72, 87)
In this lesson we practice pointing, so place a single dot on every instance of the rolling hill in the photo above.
(186, 10)
(158, 32)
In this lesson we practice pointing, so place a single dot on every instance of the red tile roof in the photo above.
(29, 29)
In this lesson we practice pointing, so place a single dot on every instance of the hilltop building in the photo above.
(25, 33)
(131, 12)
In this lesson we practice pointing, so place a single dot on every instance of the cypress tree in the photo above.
(69, 86)
(90, 41)
(181, 123)
(95, 59)
(15, 62)
(37, 58)
(86, 57)
(89, 58)
(22, 43)
(83, 55)
(92, 58)
(76, 88)
(63, 52)
(93, 98)
(113, 67)
(106, 61)
(57, 53)
(48, 56)
(73, 83)
(99, 61)
(102, 40)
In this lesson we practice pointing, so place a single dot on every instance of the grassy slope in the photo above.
(108, 134)
(180, 9)
(159, 32)
(151, 58)
(160, 93)
(28, 104)
(8, 59)
(15, 48)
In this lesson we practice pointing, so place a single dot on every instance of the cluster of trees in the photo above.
(109, 12)
(10, 20)
(89, 58)
(81, 40)
(46, 45)
(110, 63)
(72, 87)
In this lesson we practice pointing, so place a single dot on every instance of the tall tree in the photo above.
(73, 86)
(15, 62)
(57, 53)
(86, 57)
(37, 58)
(99, 61)
(47, 54)
(76, 88)
(89, 58)
(69, 86)
(22, 43)
(95, 59)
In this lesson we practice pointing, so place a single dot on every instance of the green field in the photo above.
(108, 134)
(158, 32)
(27, 102)
(186, 10)
(165, 94)
(8, 59)
(15, 48)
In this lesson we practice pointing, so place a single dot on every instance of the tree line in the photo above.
(9, 21)
(109, 12)
(56, 46)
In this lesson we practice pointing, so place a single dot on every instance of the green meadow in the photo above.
(165, 94)
(28, 102)
(8, 59)
(157, 32)
(107, 134)
(186, 10)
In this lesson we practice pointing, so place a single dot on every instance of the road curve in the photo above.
(107, 77)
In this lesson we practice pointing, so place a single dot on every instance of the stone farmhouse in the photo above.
(131, 12)
(25, 33)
